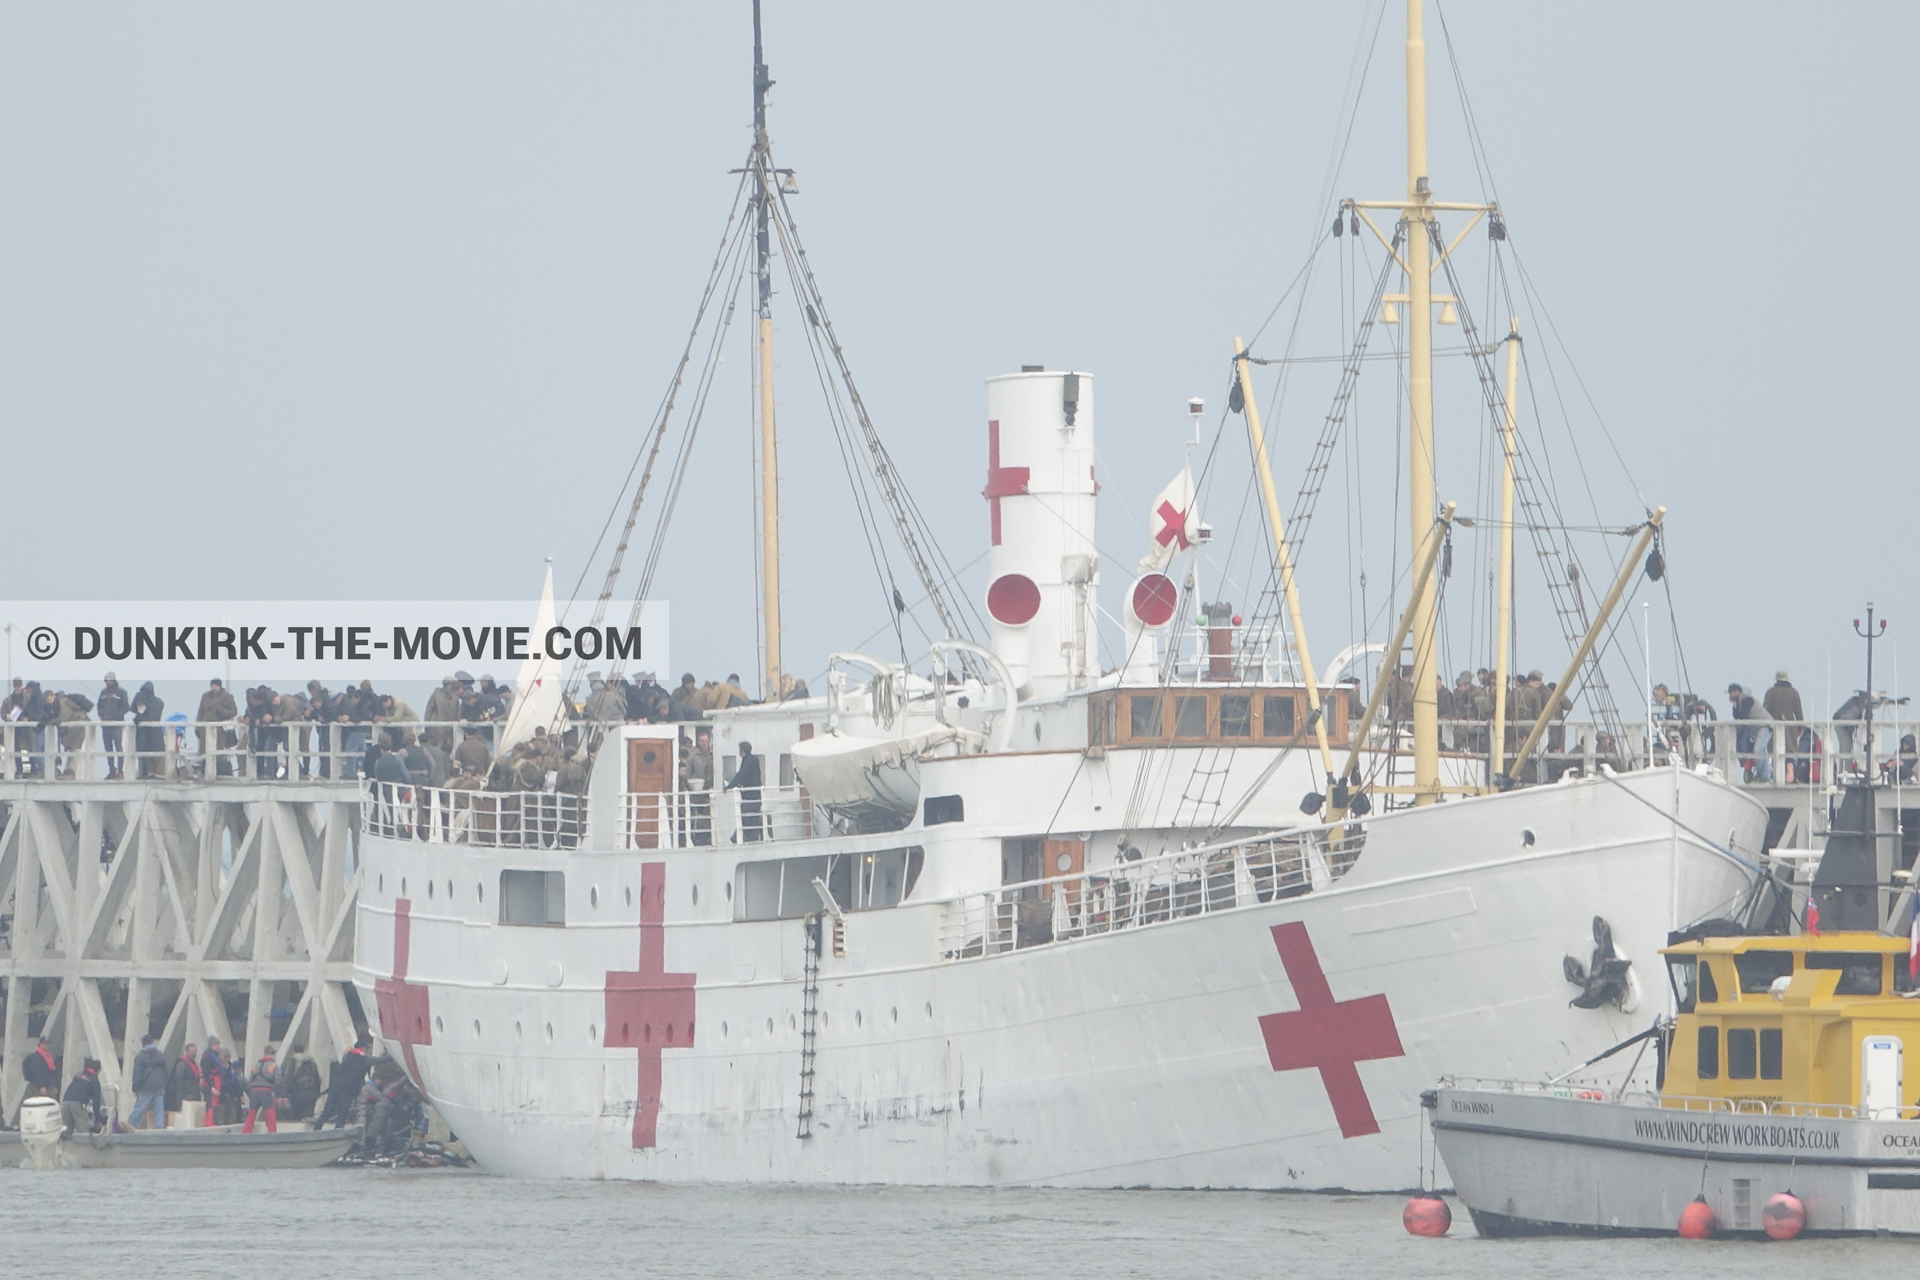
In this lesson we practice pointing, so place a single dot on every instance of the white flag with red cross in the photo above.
(1171, 523)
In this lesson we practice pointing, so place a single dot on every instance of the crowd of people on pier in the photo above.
(316, 732)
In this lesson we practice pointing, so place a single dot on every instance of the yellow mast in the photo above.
(1497, 731)
(1281, 555)
(1416, 217)
(769, 452)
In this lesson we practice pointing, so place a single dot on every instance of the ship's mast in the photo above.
(763, 179)
(1417, 218)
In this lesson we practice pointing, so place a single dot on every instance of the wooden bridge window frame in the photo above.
(1110, 717)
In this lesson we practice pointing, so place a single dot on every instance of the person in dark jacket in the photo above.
(263, 1094)
(42, 1071)
(303, 1087)
(746, 780)
(82, 1106)
(184, 1093)
(149, 1085)
(111, 707)
(149, 739)
(343, 1090)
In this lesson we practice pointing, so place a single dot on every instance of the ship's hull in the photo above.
(1263, 1044)
(1528, 1163)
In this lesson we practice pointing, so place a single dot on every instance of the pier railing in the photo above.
(697, 818)
(1150, 891)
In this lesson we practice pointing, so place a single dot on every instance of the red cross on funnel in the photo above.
(650, 1010)
(1002, 482)
(406, 1014)
(1330, 1035)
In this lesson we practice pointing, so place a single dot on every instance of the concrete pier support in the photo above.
(183, 907)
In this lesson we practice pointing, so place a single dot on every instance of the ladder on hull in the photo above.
(809, 1015)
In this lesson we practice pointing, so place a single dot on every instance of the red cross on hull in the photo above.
(650, 1009)
(406, 1008)
(1002, 482)
(1328, 1035)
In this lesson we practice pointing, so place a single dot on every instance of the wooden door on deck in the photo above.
(650, 763)
(1065, 860)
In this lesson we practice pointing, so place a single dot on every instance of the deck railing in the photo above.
(480, 819)
(1151, 891)
(695, 819)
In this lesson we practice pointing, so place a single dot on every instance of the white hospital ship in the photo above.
(1001, 916)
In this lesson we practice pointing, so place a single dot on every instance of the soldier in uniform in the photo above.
(443, 707)
(217, 707)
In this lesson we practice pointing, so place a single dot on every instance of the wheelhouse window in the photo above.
(1758, 969)
(1859, 970)
(1143, 715)
(1190, 716)
(1770, 1053)
(1236, 715)
(1682, 972)
(1709, 989)
(533, 897)
(1276, 716)
(1706, 1054)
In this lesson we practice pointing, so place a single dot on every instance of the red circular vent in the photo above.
(1154, 599)
(1013, 599)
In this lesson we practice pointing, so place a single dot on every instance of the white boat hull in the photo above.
(1132, 1058)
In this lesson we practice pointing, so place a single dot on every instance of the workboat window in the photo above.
(1743, 1060)
(1681, 971)
(1190, 717)
(533, 897)
(1758, 969)
(1709, 989)
(1706, 1054)
(783, 890)
(1903, 969)
(941, 809)
(1236, 715)
(1276, 716)
(1859, 970)
(1770, 1053)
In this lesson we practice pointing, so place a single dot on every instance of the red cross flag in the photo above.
(1171, 524)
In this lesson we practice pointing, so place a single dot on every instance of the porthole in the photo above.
(593, 1033)
(549, 1033)
(723, 1028)
(729, 891)
(516, 1028)
(439, 1026)
(479, 892)
(629, 892)
(383, 882)
(823, 1017)
(858, 1021)
(1064, 862)
(593, 896)
(403, 886)
(929, 1011)
(476, 1028)
(449, 891)
(696, 895)
(793, 1023)
(896, 1013)
(769, 1026)
(429, 890)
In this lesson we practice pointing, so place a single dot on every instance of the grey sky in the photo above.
(357, 300)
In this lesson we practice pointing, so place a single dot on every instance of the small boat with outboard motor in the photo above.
(42, 1143)
(1781, 1102)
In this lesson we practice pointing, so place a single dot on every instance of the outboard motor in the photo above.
(40, 1128)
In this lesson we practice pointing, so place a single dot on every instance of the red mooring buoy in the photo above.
(1784, 1217)
(1427, 1215)
(1696, 1220)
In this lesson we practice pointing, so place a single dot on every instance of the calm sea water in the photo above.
(290, 1225)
